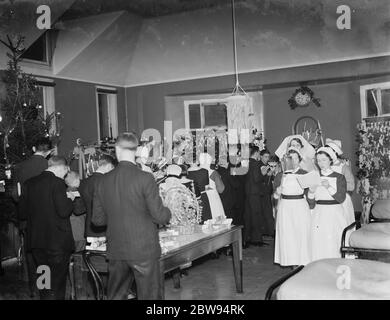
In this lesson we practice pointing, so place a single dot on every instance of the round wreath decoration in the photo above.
(302, 98)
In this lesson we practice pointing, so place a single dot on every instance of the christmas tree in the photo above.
(22, 121)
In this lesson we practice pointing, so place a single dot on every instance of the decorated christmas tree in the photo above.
(22, 121)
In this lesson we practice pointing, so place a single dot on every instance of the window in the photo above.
(205, 114)
(47, 99)
(38, 51)
(375, 99)
(107, 113)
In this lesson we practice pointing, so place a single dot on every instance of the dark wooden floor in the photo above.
(209, 279)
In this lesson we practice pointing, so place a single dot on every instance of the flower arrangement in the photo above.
(258, 139)
(373, 162)
(302, 97)
(184, 206)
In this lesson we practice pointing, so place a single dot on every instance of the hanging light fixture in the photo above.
(239, 104)
(238, 90)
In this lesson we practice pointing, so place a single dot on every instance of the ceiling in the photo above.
(143, 8)
(140, 42)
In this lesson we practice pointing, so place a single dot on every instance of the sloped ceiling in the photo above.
(104, 54)
(76, 35)
(284, 34)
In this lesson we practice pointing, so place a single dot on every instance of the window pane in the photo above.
(194, 116)
(215, 115)
(103, 116)
(385, 101)
(372, 110)
(37, 51)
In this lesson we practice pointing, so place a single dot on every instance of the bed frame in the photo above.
(361, 253)
(270, 292)
(364, 253)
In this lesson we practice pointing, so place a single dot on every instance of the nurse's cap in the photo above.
(295, 150)
(335, 145)
(174, 170)
(329, 151)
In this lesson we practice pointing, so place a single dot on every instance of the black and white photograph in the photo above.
(194, 151)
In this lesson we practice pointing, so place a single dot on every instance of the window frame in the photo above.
(47, 84)
(48, 53)
(363, 98)
(202, 103)
(113, 114)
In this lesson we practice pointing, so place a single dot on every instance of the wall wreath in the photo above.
(302, 98)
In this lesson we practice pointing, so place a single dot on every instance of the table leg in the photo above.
(162, 280)
(237, 264)
(96, 278)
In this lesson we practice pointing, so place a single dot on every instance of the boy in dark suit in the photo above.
(25, 170)
(127, 200)
(87, 190)
(46, 207)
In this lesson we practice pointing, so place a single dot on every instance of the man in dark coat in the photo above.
(267, 172)
(228, 196)
(25, 170)
(254, 190)
(87, 190)
(46, 207)
(127, 200)
(36, 164)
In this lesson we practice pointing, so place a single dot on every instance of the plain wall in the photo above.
(76, 101)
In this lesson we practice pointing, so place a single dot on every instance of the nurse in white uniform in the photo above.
(328, 218)
(293, 221)
(342, 167)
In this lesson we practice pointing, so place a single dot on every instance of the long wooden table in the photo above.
(188, 249)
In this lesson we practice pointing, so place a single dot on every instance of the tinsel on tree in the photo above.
(22, 123)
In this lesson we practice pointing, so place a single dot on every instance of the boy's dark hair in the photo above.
(43, 145)
(57, 161)
(264, 151)
(127, 140)
(107, 159)
(274, 158)
(253, 149)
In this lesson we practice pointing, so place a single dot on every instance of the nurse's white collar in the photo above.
(326, 172)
